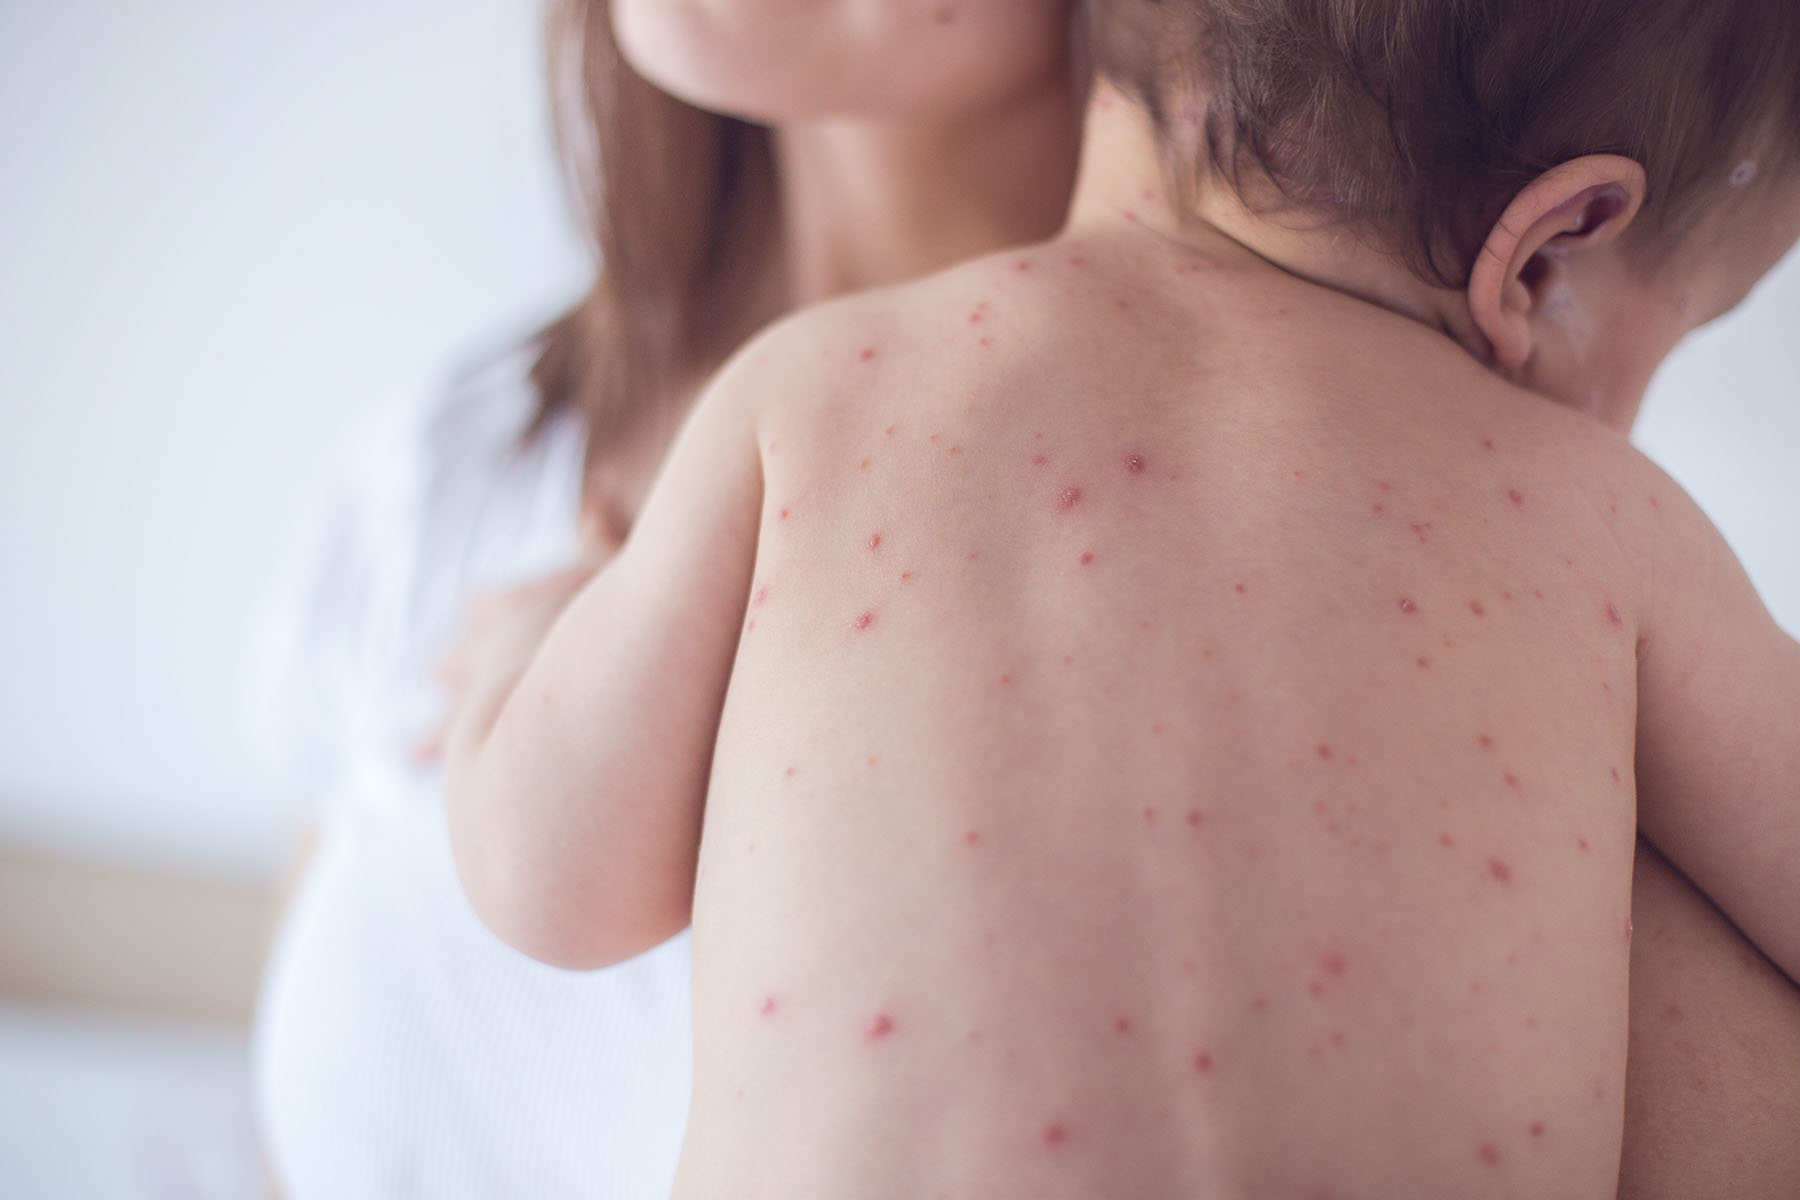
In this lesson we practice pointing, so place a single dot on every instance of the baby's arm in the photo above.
(575, 797)
(1718, 748)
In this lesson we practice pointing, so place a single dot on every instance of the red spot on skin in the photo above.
(1515, 495)
(1612, 614)
(1421, 529)
(762, 597)
(1617, 778)
(906, 576)
(1055, 1134)
(867, 355)
(889, 432)
(1333, 963)
(1489, 1154)
(1379, 510)
(863, 465)
(944, 15)
(1655, 503)
(1384, 485)
(1122, 1025)
(1260, 1004)
(1424, 662)
(879, 1026)
(1487, 743)
(973, 556)
(874, 541)
(1038, 460)
(933, 437)
(1195, 818)
(1487, 443)
(768, 1006)
(1134, 464)
(1075, 260)
(1124, 305)
(1006, 681)
(865, 620)
(975, 318)
(1023, 265)
(1499, 870)
(972, 838)
(1338, 1038)
(1087, 558)
(1512, 781)
(1582, 843)
(789, 773)
(986, 342)
(783, 515)
(1067, 498)
(872, 760)
(954, 450)
(1150, 816)
(1203, 1062)
(1157, 729)
(750, 627)
(1536, 1129)
(1240, 589)
(1407, 606)
(1476, 608)
(1324, 750)
(1446, 841)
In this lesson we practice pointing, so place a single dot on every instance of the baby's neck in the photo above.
(1122, 179)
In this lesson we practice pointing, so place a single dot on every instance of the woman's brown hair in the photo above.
(679, 205)
(1416, 121)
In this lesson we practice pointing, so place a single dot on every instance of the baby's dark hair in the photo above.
(1415, 122)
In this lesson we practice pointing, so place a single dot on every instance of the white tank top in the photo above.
(400, 1049)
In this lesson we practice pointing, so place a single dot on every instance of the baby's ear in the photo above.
(1569, 210)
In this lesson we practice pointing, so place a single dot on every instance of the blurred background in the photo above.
(231, 235)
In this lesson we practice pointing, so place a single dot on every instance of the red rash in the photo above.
(1489, 1154)
(1512, 781)
(1476, 608)
(1068, 498)
(1122, 1025)
(1195, 818)
(1149, 816)
(1537, 1129)
(783, 515)
(874, 541)
(864, 621)
(1134, 464)
(868, 354)
(1087, 558)
(1407, 606)
(768, 1006)
(1487, 743)
(879, 1026)
(1055, 1134)
(1203, 1062)
(1515, 495)
(1333, 963)
(1500, 871)
(972, 838)
(1324, 751)
(1612, 614)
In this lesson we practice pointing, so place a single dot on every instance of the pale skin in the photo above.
(823, 1000)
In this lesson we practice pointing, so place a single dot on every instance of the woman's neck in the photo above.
(871, 202)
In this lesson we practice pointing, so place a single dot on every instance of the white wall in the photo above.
(229, 229)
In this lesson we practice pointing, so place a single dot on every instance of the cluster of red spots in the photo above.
(863, 621)
(1055, 1133)
(1067, 497)
(1499, 870)
(1475, 607)
(1134, 464)
(1515, 495)
(1421, 530)
(878, 1027)
(1407, 606)
(768, 1006)
(1203, 1063)
(874, 541)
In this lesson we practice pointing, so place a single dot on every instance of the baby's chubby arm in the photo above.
(575, 797)
(1718, 745)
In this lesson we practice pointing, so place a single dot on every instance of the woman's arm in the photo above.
(575, 796)
(1712, 1089)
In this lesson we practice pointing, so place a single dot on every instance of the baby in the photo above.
(1167, 712)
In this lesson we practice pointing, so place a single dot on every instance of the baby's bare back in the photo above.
(1180, 745)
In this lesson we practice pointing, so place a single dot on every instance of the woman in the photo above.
(401, 1050)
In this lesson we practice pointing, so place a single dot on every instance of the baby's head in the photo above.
(1595, 178)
